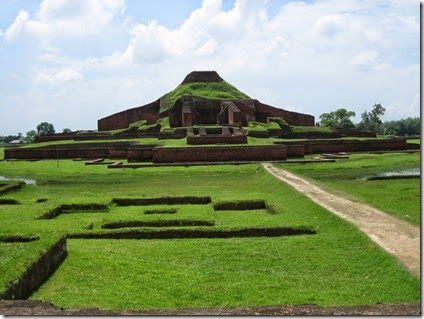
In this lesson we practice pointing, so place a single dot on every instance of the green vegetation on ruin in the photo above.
(337, 266)
(399, 197)
(181, 142)
(210, 90)
(304, 129)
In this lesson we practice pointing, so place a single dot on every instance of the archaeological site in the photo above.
(211, 121)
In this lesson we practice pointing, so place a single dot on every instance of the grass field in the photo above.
(336, 266)
(399, 197)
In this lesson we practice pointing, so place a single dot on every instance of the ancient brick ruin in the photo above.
(215, 130)
(189, 110)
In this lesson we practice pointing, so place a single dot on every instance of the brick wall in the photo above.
(357, 133)
(313, 147)
(149, 112)
(137, 152)
(219, 154)
(38, 273)
(216, 139)
(263, 111)
(140, 153)
(63, 151)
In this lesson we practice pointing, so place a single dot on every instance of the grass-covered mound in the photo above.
(210, 90)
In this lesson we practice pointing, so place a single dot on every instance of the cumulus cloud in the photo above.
(57, 76)
(329, 25)
(68, 18)
(207, 30)
(17, 27)
(367, 60)
(306, 56)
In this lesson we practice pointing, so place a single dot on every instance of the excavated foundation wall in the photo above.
(216, 139)
(312, 147)
(295, 150)
(149, 153)
(140, 153)
(37, 273)
(149, 112)
(219, 154)
(263, 111)
(87, 150)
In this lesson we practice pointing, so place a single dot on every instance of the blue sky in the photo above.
(71, 62)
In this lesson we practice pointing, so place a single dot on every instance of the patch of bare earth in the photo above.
(397, 237)
(38, 308)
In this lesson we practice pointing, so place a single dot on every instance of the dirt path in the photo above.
(397, 237)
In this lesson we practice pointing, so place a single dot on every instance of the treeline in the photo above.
(9, 138)
(371, 121)
(43, 128)
(405, 127)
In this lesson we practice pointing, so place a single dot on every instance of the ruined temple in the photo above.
(203, 98)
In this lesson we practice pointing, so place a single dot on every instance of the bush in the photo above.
(281, 123)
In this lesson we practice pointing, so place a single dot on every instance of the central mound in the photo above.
(202, 76)
(202, 98)
(201, 84)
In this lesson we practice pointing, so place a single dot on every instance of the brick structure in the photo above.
(219, 154)
(194, 110)
(152, 153)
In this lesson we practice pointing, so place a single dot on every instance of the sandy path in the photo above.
(397, 237)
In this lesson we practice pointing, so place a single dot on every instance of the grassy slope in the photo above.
(181, 142)
(211, 90)
(337, 266)
(399, 197)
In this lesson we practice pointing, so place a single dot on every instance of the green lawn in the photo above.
(336, 266)
(399, 197)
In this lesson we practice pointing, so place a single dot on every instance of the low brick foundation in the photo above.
(5, 188)
(140, 153)
(198, 233)
(314, 147)
(63, 151)
(37, 273)
(216, 139)
(336, 146)
(218, 153)
(153, 153)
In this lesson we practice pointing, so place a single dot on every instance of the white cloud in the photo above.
(367, 60)
(207, 30)
(153, 42)
(18, 26)
(57, 76)
(65, 18)
(329, 25)
(309, 57)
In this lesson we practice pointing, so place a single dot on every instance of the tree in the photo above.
(338, 119)
(403, 127)
(45, 128)
(371, 121)
(66, 130)
(10, 138)
(30, 136)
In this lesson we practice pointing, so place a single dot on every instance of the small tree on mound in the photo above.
(45, 128)
(338, 119)
(371, 121)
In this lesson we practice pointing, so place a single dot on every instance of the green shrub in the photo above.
(137, 123)
(303, 129)
(274, 119)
